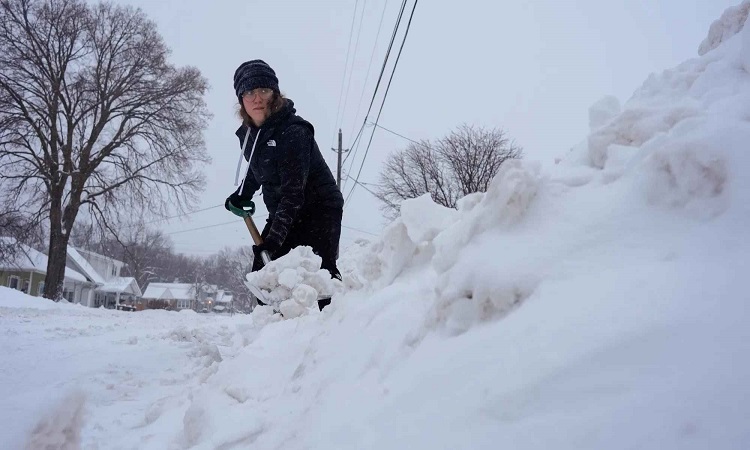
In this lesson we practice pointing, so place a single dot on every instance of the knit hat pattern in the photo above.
(254, 74)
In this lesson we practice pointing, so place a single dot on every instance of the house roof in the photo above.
(32, 260)
(123, 285)
(224, 298)
(84, 266)
(169, 291)
(100, 256)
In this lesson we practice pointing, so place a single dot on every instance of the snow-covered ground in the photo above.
(602, 304)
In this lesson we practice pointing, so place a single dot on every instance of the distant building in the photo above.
(175, 296)
(90, 279)
(110, 289)
(223, 302)
(28, 271)
(178, 296)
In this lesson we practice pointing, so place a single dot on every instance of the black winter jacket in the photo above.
(288, 164)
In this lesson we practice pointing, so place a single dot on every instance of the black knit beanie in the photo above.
(254, 74)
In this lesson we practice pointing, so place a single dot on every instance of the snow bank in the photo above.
(12, 298)
(729, 24)
(682, 131)
(603, 111)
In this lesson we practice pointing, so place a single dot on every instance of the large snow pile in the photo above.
(601, 305)
(729, 24)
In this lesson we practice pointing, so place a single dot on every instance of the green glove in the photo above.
(240, 207)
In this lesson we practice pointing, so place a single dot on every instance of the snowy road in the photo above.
(101, 373)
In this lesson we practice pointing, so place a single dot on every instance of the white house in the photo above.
(173, 295)
(109, 288)
(223, 301)
(28, 271)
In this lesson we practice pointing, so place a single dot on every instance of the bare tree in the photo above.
(148, 253)
(93, 118)
(461, 163)
(145, 252)
(16, 227)
(228, 269)
(142, 253)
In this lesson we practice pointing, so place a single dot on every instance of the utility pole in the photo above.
(340, 150)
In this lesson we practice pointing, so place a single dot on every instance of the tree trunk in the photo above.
(61, 224)
(56, 256)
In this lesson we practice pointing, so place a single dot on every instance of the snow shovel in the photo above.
(246, 210)
(256, 238)
(259, 294)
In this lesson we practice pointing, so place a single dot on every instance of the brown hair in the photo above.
(277, 102)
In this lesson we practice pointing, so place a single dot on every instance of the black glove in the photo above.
(239, 206)
(269, 246)
(234, 199)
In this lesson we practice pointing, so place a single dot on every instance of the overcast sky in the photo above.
(531, 68)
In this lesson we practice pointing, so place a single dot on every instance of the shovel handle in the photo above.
(256, 238)
(253, 230)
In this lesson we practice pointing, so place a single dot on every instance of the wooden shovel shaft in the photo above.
(256, 238)
(253, 230)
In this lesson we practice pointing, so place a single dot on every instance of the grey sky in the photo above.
(532, 68)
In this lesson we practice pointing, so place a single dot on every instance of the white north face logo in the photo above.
(271, 143)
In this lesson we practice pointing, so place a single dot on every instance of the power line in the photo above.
(211, 226)
(354, 59)
(183, 248)
(203, 228)
(349, 153)
(388, 88)
(369, 66)
(262, 216)
(377, 85)
(380, 77)
(361, 231)
(369, 184)
(399, 135)
(234, 222)
(364, 185)
(385, 129)
(173, 217)
(346, 65)
(258, 217)
(382, 104)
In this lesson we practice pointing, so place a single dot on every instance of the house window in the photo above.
(13, 282)
(26, 286)
(40, 292)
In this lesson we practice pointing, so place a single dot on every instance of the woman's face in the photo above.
(257, 104)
